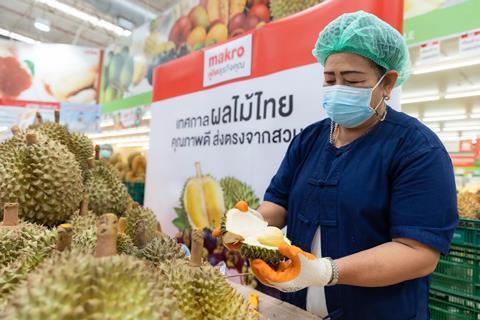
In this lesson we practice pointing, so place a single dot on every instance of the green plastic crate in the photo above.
(136, 191)
(445, 306)
(467, 233)
(459, 272)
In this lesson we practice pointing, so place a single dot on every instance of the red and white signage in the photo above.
(239, 124)
(231, 60)
(469, 43)
(429, 51)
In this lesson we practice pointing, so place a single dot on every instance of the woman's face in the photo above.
(352, 70)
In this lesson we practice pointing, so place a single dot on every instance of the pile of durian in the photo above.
(73, 244)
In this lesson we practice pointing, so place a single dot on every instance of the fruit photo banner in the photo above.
(213, 143)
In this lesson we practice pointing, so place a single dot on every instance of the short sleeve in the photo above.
(279, 188)
(423, 204)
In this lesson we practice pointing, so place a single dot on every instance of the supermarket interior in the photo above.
(240, 159)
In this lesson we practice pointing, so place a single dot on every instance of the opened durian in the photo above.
(202, 200)
(75, 285)
(234, 189)
(23, 246)
(201, 291)
(138, 213)
(285, 8)
(42, 176)
(243, 225)
(107, 194)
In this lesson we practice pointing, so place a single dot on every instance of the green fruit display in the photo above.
(235, 190)
(22, 248)
(136, 214)
(84, 236)
(203, 293)
(285, 8)
(42, 176)
(73, 285)
(161, 249)
(107, 194)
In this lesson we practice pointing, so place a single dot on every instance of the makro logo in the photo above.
(226, 56)
(229, 61)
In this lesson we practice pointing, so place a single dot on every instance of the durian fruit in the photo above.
(201, 291)
(84, 236)
(74, 285)
(23, 246)
(202, 200)
(234, 189)
(42, 176)
(258, 240)
(107, 194)
(82, 147)
(137, 213)
(137, 169)
(285, 8)
(468, 205)
(161, 249)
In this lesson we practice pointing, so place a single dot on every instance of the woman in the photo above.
(370, 187)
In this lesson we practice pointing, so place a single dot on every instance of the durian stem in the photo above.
(97, 152)
(84, 205)
(38, 118)
(122, 225)
(31, 138)
(15, 130)
(140, 237)
(56, 115)
(91, 163)
(10, 214)
(198, 169)
(64, 239)
(106, 236)
(197, 248)
(159, 227)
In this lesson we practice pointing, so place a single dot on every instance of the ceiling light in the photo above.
(405, 100)
(446, 118)
(461, 128)
(16, 36)
(462, 94)
(444, 113)
(446, 65)
(42, 25)
(86, 17)
(475, 116)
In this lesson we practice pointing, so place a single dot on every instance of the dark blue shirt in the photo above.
(396, 181)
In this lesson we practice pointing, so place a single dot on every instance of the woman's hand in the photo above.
(300, 271)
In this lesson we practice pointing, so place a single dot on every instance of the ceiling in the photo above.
(19, 16)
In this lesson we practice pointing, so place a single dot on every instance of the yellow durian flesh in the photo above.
(272, 236)
(213, 200)
(194, 201)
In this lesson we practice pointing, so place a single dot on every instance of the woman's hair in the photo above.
(379, 69)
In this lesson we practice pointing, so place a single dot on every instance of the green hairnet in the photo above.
(368, 36)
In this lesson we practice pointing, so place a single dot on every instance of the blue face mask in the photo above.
(349, 106)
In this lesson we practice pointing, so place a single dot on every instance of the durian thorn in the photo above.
(38, 118)
(10, 214)
(140, 237)
(84, 205)
(198, 169)
(106, 235)
(15, 130)
(122, 224)
(56, 115)
(31, 138)
(197, 248)
(97, 152)
(64, 237)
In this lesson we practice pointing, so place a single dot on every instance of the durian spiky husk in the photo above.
(468, 205)
(203, 293)
(84, 236)
(285, 8)
(77, 286)
(161, 249)
(137, 213)
(44, 178)
(22, 249)
(235, 190)
(82, 147)
(270, 256)
(107, 194)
